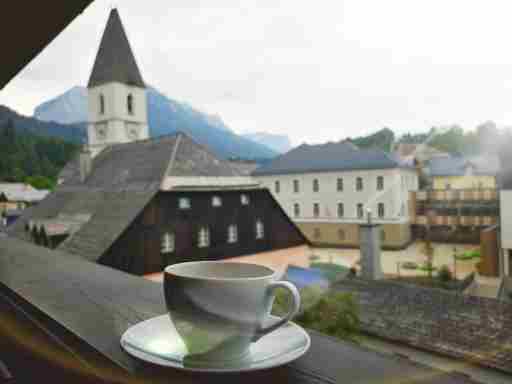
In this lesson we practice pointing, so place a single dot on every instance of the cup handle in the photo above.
(293, 310)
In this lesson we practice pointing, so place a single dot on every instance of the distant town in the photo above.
(411, 234)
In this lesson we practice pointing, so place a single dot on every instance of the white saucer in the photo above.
(156, 341)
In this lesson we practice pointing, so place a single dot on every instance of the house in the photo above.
(138, 204)
(327, 189)
(461, 172)
(17, 196)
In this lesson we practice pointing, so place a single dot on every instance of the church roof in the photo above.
(123, 180)
(115, 61)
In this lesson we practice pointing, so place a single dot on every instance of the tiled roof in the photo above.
(458, 165)
(22, 192)
(328, 157)
(123, 180)
(115, 61)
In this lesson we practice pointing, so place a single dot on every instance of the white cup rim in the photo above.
(172, 270)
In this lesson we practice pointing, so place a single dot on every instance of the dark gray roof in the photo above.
(123, 180)
(457, 165)
(328, 157)
(115, 61)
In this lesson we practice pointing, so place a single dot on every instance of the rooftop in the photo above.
(458, 165)
(341, 156)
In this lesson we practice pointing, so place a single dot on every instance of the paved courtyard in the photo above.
(443, 256)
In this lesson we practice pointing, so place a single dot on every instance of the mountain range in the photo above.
(278, 143)
(166, 116)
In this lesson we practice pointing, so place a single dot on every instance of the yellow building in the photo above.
(458, 172)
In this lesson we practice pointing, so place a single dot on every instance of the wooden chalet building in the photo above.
(137, 203)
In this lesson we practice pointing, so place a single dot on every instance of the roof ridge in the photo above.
(169, 167)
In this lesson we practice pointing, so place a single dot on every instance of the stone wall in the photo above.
(462, 326)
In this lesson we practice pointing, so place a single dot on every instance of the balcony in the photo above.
(457, 195)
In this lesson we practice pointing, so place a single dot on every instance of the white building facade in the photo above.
(329, 205)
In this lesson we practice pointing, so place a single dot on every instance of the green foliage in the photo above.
(445, 274)
(427, 268)
(332, 313)
(331, 271)
(382, 139)
(30, 158)
(469, 255)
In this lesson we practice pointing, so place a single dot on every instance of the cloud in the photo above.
(316, 71)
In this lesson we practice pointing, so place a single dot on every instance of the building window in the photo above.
(360, 212)
(359, 184)
(184, 203)
(260, 230)
(316, 186)
(380, 183)
(296, 210)
(296, 186)
(129, 103)
(339, 184)
(316, 209)
(317, 234)
(232, 234)
(102, 104)
(216, 201)
(203, 239)
(402, 210)
(277, 187)
(341, 210)
(380, 210)
(167, 245)
(382, 236)
(244, 199)
(341, 234)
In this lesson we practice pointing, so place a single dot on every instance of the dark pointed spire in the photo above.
(115, 60)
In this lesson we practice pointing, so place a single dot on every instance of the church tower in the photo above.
(116, 92)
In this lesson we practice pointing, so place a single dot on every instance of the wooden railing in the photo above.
(456, 220)
(457, 195)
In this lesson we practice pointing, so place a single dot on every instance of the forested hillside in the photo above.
(26, 157)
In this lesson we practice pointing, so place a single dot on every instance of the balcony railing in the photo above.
(457, 195)
(437, 220)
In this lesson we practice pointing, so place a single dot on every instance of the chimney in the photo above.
(369, 243)
(85, 162)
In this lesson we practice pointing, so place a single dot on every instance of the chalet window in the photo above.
(232, 234)
(316, 233)
(277, 187)
(260, 230)
(380, 210)
(216, 201)
(296, 186)
(184, 203)
(380, 183)
(102, 104)
(167, 245)
(316, 209)
(341, 210)
(296, 210)
(316, 185)
(129, 104)
(359, 184)
(341, 234)
(244, 199)
(360, 212)
(203, 239)
(339, 184)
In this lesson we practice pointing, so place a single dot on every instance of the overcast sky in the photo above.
(315, 70)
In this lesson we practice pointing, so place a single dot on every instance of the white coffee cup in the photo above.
(218, 308)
